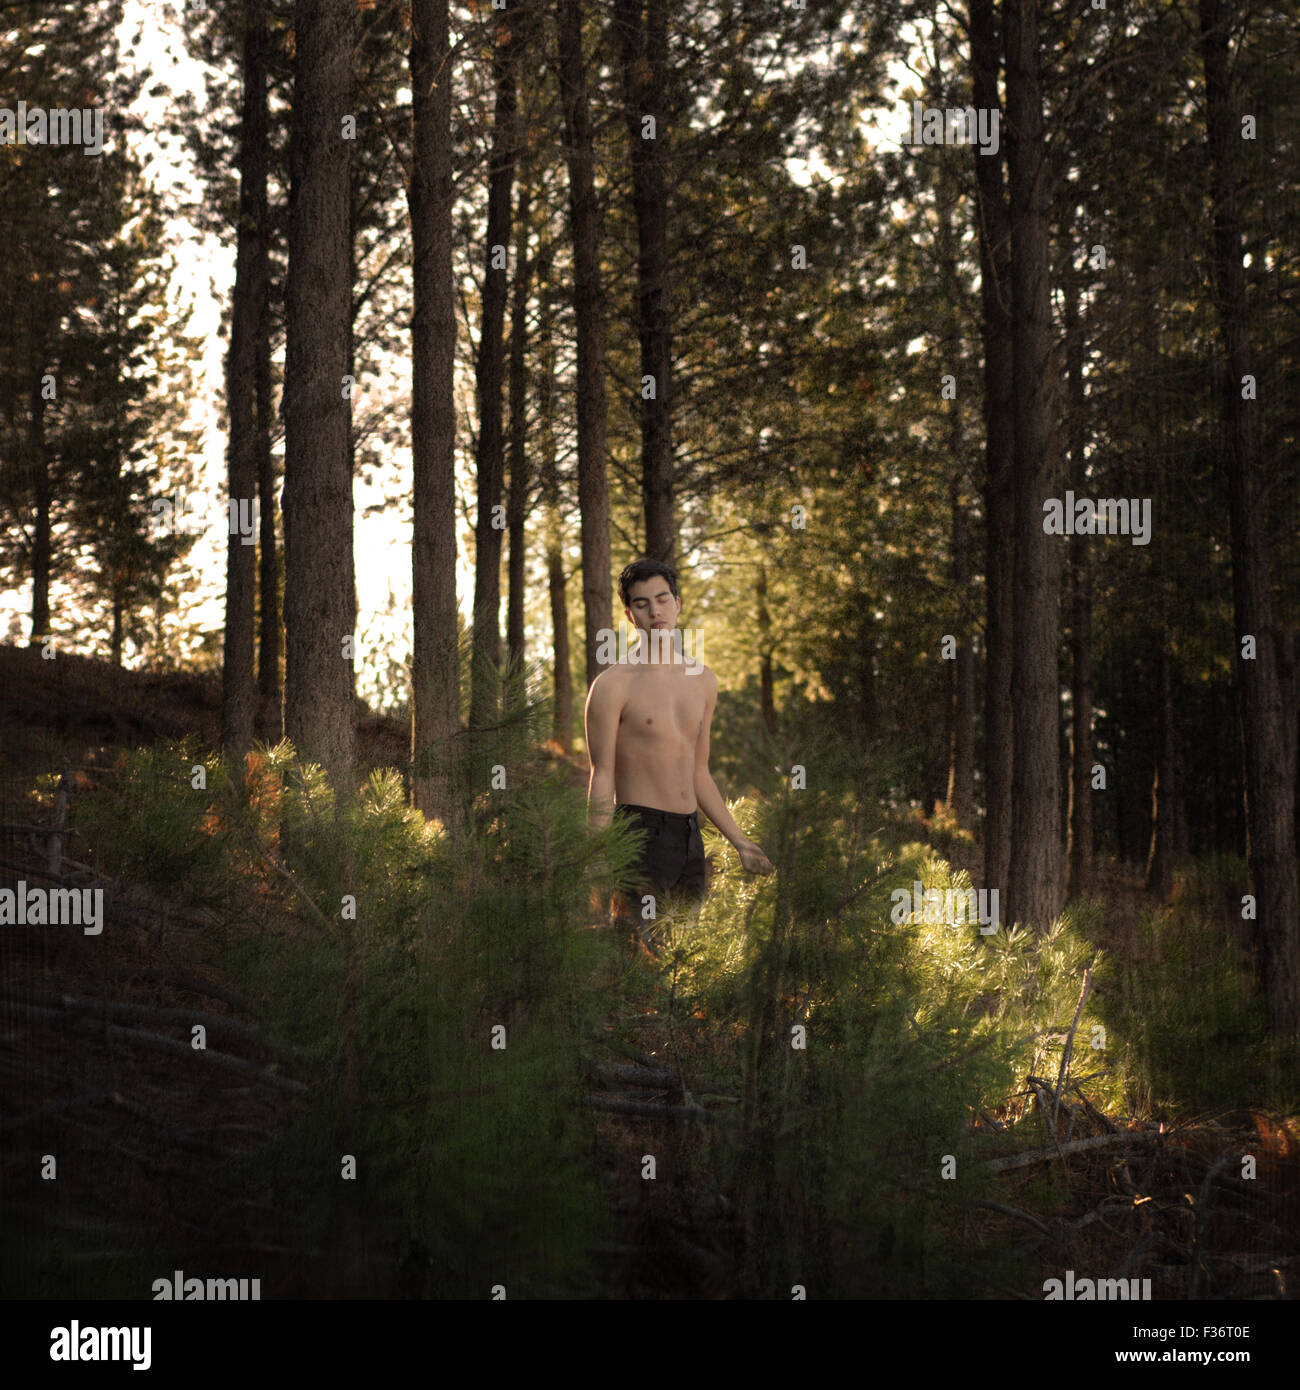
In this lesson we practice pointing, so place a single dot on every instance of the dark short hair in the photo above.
(645, 569)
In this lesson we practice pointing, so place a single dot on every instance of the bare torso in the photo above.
(658, 730)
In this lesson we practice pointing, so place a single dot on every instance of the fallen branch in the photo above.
(163, 1044)
(1018, 1214)
(1100, 1141)
(34, 870)
(1096, 1213)
(1038, 1086)
(656, 1078)
(53, 1107)
(648, 1109)
(1069, 1043)
(1091, 1110)
(152, 1013)
(195, 984)
(18, 828)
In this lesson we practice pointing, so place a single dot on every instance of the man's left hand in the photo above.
(754, 859)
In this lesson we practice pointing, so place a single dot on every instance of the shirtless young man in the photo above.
(647, 723)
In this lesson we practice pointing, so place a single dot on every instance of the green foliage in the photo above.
(855, 1166)
(912, 1028)
(468, 1155)
(1193, 1032)
(156, 828)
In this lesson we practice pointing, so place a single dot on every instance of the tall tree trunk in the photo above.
(1150, 482)
(434, 661)
(643, 49)
(319, 579)
(1081, 755)
(589, 312)
(1035, 884)
(270, 681)
(517, 502)
(961, 745)
(41, 531)
(1164, 784)
(1081, 746)
(1267, 682)
(865, 657)
(766, 693)
(562, 717)
(960, 793)
(999, 500)
(562, 676)
(490, 459)
(864, 677)
(248, 319)
(270, 698)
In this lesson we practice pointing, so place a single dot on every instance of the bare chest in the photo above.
(664, 707)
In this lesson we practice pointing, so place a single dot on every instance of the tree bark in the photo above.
(1164, 784)
(320, 587)
(1081, 755)
(270, 717)
(960, 793)
(243, 398)
(1035, 882)
(42, 553)
(562, 677)
(1151, 482)
(517, 502)
(766, 692)
(961, 746)
(589, 311)
(115, 632)
(485, 673)
(999, 502)
(644, 58)
(435, 713)
(1267, 683)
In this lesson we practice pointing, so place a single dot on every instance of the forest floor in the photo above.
(87, 1070)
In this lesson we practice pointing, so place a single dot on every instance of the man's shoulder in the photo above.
(614, 669)
(710, 680)
(609, 680)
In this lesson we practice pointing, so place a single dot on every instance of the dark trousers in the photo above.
(672, 857)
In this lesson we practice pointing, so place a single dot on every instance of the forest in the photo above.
(942, 353)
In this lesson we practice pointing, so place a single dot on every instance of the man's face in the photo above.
(651, 605)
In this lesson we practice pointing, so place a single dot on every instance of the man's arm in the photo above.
(710, 798)
(604, 706)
